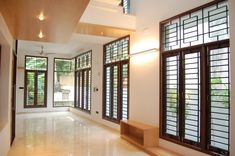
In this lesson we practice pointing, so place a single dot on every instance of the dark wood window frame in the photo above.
(53, 100)
(35, 84)
(204, 144)
(80, 73)
(119, 65)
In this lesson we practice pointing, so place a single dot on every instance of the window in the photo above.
(116, 80)
(35, 94)
(83, 81)
(195, 82)
(63, 82)
(126, 6)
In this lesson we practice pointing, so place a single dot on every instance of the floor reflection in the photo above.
(65, 134)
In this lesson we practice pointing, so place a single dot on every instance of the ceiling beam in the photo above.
(101, 30)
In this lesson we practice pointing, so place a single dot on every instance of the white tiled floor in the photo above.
(66, 134)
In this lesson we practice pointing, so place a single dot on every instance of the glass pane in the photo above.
(219, 97)
(172, 94)
(202, 26)
(117, 51)
(89, 90)
(115, 92)
(84, 60)
(64, 65)
(125, 91)
(30, 63)
(192, 96)
(36, 63)
(41, 63)
(107, 91)
(80, 90)
(30, 99)
(85, 90)
(64, 89)
(77, 89)
(41, 89)
(126, 6)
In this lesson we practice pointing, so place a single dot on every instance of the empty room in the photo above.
(117, 78)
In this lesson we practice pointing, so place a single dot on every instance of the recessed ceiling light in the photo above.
(40, 35)
(41, 17)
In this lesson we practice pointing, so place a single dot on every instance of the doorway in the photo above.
(13, 97)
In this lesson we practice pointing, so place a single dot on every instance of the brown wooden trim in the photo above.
(189, 146)
(183, 106)
(53, 100)
(61, 58)
(161, 75)
(197, 46)
(86, 99)
(35, 87)
(127, 36)
(208, 101)
(83, 53)
(75, 84)
(204, 91)
(119, 65)
(53, 96)
(78, 72)
(191, 11)
(181, 101)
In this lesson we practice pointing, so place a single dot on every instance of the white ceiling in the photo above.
(75, 44)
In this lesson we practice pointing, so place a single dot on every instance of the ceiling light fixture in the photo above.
(40, 35)
(41, 17)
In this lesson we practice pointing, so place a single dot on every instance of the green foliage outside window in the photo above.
(217, 92)
(36, 63)
(63, 67)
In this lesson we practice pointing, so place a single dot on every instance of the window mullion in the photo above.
(119, 94)
(181, 99)
(75, 88)
(115, 54)
(203, 100)
(45, 88)
(35, 89)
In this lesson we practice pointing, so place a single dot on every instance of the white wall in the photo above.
(20, 83)
(97, 81)
(96, 103)
(6, 42)
(232, 45)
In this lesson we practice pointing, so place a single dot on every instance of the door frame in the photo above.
(13, 93)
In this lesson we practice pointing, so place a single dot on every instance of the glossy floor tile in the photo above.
(66, 134)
